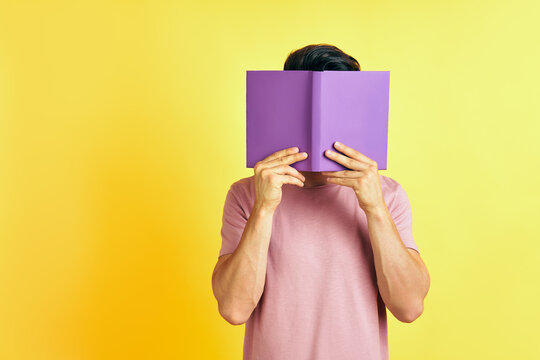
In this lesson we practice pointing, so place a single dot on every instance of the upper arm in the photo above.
(220, 262)
(234, 221)
(400, 210)
(419, 260)
(415, 254)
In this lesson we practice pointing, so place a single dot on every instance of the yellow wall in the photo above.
(122, 125)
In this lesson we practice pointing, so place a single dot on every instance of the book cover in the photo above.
(312, 109)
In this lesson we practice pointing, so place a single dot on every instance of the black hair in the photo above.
(319, 57)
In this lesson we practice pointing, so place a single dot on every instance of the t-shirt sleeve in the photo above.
(233, 222)
(402, 216)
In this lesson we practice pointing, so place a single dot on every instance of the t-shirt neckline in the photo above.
(324, 186)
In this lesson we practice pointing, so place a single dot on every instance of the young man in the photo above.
(311, 260)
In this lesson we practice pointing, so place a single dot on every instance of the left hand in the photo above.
(363, 177)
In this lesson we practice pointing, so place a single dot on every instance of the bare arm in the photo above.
(402, 277)
(238, 278)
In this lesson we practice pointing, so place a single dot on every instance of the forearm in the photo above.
(239, 281)
(402, 280)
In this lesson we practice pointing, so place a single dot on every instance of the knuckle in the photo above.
(264, 172)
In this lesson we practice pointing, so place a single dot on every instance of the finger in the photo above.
(286, 169)
(288, 159)
(281, 153)
(344, 173)
(288, 179)
(346, 161)
(355, 154)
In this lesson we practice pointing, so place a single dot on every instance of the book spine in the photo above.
(316, 103)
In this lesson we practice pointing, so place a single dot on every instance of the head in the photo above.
(319, 57)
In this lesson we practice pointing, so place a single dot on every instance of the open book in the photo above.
(312, 110)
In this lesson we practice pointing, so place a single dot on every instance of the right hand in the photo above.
(274, 171)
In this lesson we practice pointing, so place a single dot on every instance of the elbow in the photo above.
(410, 314)
(234, 317)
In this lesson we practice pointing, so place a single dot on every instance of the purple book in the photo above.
(312, 109)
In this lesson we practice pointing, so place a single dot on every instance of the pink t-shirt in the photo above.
(320, 299)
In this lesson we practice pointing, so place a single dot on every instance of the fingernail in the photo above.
(338, 143)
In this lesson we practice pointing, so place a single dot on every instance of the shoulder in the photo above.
(389, 184)
(244, 188)
(393, 192)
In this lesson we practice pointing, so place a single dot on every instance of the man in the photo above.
(311, 260)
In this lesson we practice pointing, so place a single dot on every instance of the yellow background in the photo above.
(122, 125)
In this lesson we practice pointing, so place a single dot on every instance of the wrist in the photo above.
(262, 209)
(377, 211)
